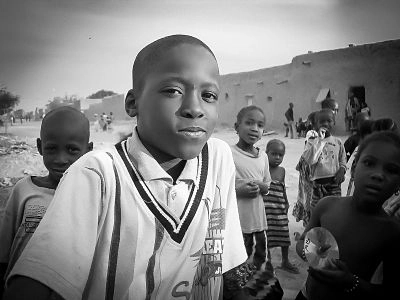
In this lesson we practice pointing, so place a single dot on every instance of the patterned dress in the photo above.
(276, 211)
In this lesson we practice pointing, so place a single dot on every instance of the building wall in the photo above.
(374, 66)
(114, 104)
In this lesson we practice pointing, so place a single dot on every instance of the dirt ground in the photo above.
(29, 161)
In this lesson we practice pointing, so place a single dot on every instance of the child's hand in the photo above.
(249, 189)
(339, 176)
(323, 132)
(337, 274)
(262, 185)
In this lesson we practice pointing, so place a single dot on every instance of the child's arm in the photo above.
(313, 150)
(25, 288)
(314, 222)
(3, 269)
(284, 192)
(264, 184)
(340, 174)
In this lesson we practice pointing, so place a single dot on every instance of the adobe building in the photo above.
(114, 104)
(371, 71)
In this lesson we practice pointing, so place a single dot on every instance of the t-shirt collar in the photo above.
(150, 169)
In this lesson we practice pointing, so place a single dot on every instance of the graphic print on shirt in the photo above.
(209, 270)
(33, 216)
(327, 155)
(176, 230)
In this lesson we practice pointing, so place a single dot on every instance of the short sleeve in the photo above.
(60, 252)
(267, 175)
(10, 218)
(234, 251)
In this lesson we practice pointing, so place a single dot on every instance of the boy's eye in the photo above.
(73, 150)
(49, 148)
(172, 92)
(209, 97)
(367, 162)
(393, 169)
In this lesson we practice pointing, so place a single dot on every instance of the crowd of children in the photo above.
(170, 212)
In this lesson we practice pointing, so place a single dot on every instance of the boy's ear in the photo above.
(236, 127)
(90, 146)
(39, 145)
(130, 104)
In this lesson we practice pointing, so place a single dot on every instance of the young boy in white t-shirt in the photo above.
(156, 216)
(64, 137)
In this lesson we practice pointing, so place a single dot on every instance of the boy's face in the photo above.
(325, 120)
(251, 127)
(61, 145)
(177, 107)
(377, 173)
(276, 154)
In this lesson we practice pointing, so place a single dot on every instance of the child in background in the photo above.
(64, 137)
(352, 141)
(252, 180)
(365, 234)
(277, 205)
(154, 217)
(364, 130)
(327, 159)
(302, 210)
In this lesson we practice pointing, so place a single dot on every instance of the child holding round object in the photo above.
(366, 236)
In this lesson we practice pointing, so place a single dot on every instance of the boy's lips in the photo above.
(372, 188)
(192, 131)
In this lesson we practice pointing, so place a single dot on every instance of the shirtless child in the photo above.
(366, 236)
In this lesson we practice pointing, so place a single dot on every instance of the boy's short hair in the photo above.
(324, 111)
(151, 54)
(66, 111)
(385, 136)
(365, 128)
(384, 124)
(245, 110)
(274, 142)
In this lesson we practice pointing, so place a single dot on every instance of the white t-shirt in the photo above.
(19, 219)
(109, 233)
(249, 168)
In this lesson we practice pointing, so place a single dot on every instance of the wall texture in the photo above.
(376, 67)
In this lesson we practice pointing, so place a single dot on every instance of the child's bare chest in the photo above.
(362, 240)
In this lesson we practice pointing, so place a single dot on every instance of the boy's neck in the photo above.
(44, 182)
(373, 209)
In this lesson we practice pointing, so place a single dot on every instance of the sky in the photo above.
(52, 48)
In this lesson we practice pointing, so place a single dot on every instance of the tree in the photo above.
(101, 94)
(7, 101)
(71, 100)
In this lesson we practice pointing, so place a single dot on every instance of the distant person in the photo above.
(326, 157)
(301, 128)
(364, 129)
(302, 209)
(352, 108)
(352, 141)
(366, 236)
(154, 217)
(103, 121)
(364, 108)
(252, 180)
(329, 103)
(277, 205)
(97, 125)
(64, 137)
(290, 119)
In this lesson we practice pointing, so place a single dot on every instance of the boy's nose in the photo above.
(62, 158)
(191, 106)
